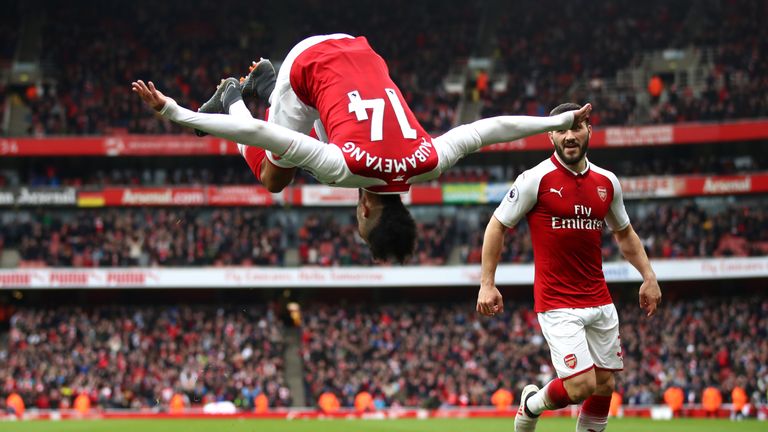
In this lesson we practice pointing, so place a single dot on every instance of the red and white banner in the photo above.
(179, 196)
(117, 145)
(326, 196)
(183, 145)
(686, 186)
(47, 196)
(319, 195)
(241, 196)
(356, 277)
(644, 136)
(169, 196)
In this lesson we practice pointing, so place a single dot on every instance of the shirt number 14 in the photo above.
(360, 106)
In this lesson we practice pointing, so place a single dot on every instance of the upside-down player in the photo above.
(376, 143)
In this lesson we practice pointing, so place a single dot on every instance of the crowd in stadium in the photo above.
(735, 87)
(712, 341)
(162, 237)
(432, 355)
(90, 94)
(188, 237)
(428, 355)
(542, 64)
(135, 357)
(234, 171)
(680, 230)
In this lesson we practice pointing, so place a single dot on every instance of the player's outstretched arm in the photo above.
(632, 249)
(489, 300)
(466, 139)
(509, 128)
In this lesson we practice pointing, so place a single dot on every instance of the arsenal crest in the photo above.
(570, 361)
(602, 192)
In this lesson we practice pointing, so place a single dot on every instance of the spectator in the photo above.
(711, 399)
(363, 402)
(502, 399)
(673, 397)
(133, 357)
(655, 87)
(328, 402)
(739, 401)
(616, 401)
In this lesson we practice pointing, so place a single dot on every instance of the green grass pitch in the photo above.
(432, 425)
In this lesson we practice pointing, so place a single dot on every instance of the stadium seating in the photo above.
(195, 237)
(136, 357)
(416, 354)
(233, 170)
(89, 94)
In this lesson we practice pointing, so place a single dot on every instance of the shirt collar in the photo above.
(562, 164)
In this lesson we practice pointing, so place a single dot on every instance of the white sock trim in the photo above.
(539, 402)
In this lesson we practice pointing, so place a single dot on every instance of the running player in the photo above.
(567, 201)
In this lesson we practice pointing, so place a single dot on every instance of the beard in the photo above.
(582, 153)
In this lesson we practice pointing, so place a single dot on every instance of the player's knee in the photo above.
(581, 388)
(587, 389)
(605, 384)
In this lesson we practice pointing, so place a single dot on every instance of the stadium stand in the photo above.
(136, 171)
(98, 196)
(189, 237)
(87, 96)
(414, 354)
(618, 36)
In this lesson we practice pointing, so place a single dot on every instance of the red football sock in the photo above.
(557, 394)
(594, 414)
(254, 156)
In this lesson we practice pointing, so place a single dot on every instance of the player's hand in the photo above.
(489, 301)
(650, 296)
(149, 94)
(582, 114)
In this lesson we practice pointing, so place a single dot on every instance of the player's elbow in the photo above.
(495, 227)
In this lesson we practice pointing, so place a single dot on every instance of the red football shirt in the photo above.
(566, 212)
(363, 112)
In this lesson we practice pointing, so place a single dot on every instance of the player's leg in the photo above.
(286, 108)
(594, 412)
(274, 178)
(581, 386)
(297, 148)
(260, 80)
(605, 347)
(564, 331)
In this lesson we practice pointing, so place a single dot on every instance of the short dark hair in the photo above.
(565, 107)
(394, 236)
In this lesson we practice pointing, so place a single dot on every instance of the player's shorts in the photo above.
(286, 109)
(582, 339)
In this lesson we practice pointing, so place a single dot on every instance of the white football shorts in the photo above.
(286, 109)
(583, 338)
